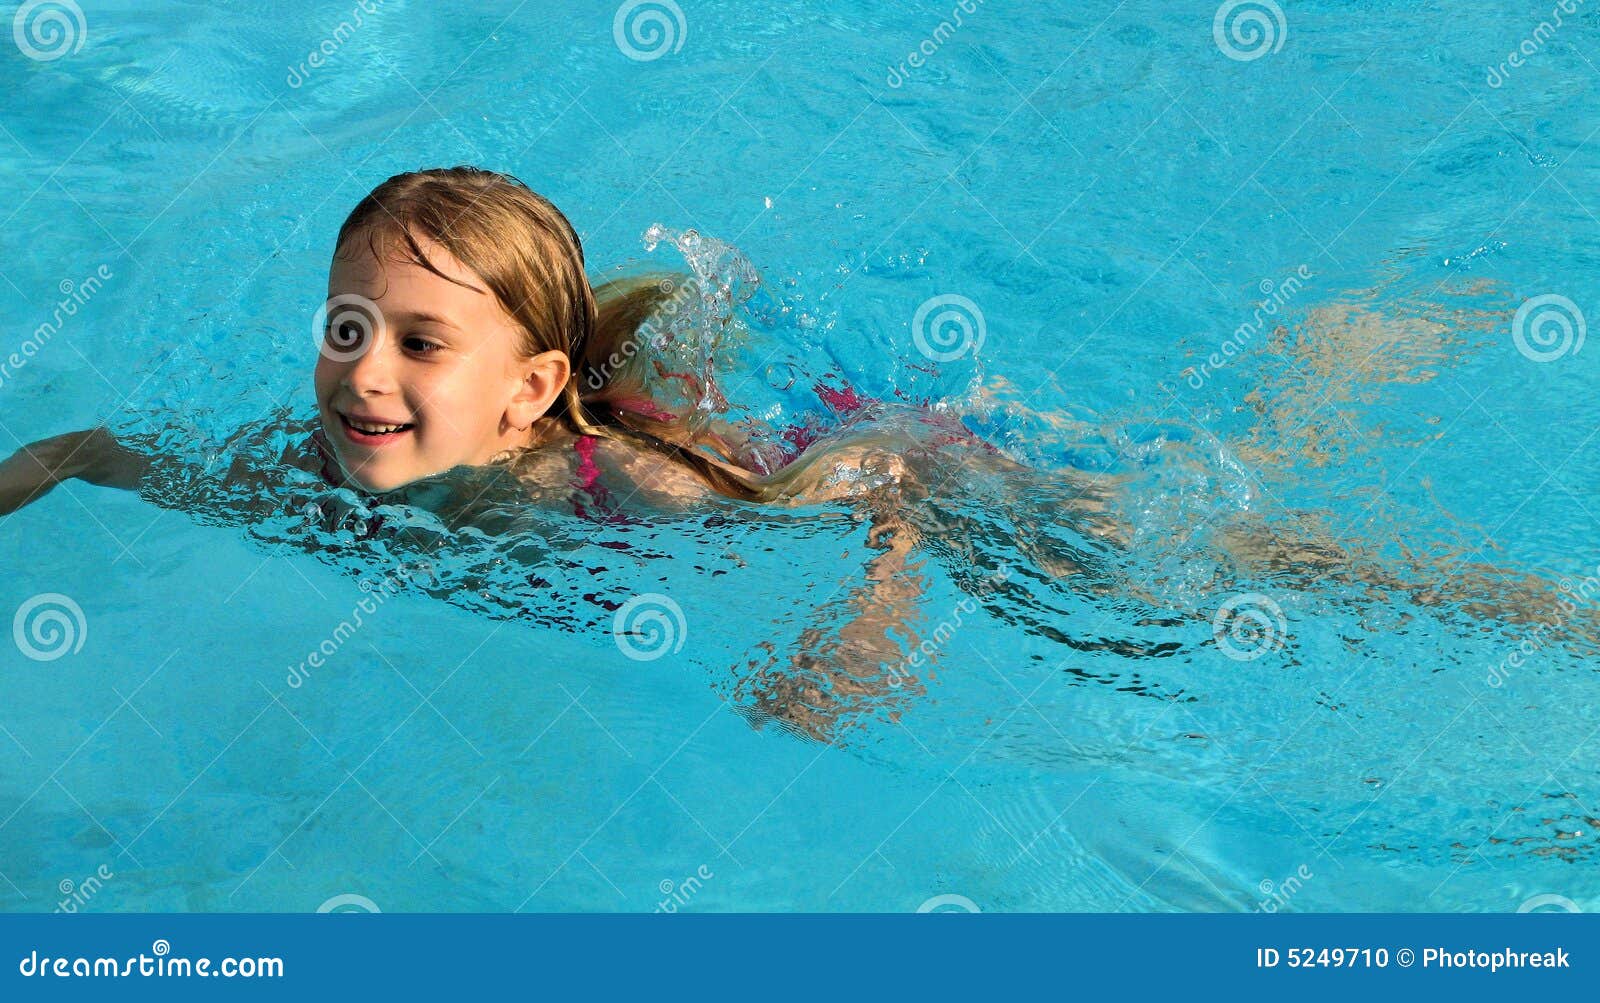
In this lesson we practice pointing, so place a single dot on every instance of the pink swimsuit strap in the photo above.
(588, 470)
(588, 484)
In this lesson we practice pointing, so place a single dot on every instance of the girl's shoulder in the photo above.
(600, 472)
(864, 460)
(830, 471)
(647, 475)
(551, 468)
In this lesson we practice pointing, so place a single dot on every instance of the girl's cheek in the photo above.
(323, 378)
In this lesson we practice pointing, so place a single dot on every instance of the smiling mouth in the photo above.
(371, 433)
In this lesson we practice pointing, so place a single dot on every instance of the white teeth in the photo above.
(373, 429)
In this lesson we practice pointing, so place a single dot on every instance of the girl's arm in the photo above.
(853, 664)
(92, 455)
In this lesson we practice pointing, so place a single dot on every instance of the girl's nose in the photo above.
(372, 373)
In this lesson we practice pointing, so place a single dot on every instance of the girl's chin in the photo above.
(368, 476)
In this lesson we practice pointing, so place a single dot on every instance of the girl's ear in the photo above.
(543, 378)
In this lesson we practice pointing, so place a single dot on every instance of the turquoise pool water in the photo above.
(1331, 258)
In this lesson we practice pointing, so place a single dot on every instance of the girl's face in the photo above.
(418, 374)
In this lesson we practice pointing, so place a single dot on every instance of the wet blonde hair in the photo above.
(531, 259)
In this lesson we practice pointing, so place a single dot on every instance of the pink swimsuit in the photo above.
(588, 482)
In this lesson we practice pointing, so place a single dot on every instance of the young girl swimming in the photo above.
(461, 331)
(463, 335)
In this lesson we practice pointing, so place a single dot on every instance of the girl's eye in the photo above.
(421, 346)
